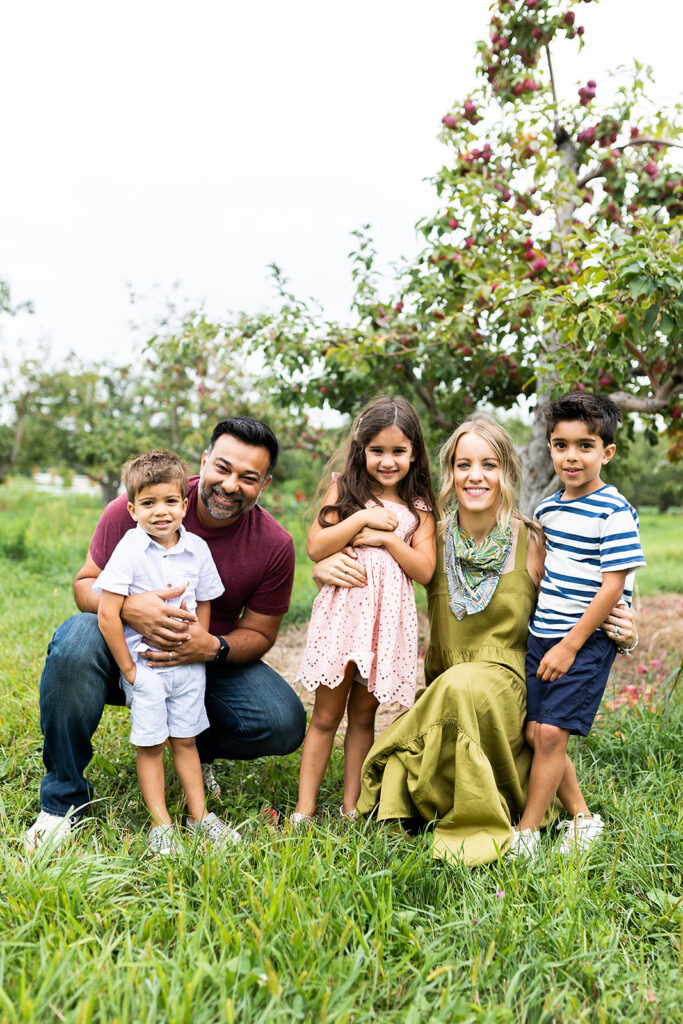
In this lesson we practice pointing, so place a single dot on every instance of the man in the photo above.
(252, 710)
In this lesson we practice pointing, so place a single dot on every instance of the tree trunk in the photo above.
(110, 489)
(538, 474)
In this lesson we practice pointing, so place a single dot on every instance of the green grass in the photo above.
(662, 541)
(337, 924)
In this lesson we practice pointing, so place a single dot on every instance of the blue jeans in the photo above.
(252, 711)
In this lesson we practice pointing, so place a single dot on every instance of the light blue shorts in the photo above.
(166, 702)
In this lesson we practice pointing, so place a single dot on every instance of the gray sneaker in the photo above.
(210, 784)
(214, 829)
(162, 841)
(49, 830)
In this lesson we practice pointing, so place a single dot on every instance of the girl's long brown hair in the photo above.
(354, 484)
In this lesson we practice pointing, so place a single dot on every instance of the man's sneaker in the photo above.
(53, 830)
(162, 841)
(210, 784)
(214, 829)
(580, 832)
(523, 844)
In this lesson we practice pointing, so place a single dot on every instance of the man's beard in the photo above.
(216, 509)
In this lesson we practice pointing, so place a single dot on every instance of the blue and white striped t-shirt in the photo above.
(584, 537)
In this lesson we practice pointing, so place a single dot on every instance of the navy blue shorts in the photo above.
(572, 701)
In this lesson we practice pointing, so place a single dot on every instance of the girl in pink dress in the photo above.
(361, 649)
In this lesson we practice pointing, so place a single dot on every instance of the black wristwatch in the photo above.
(222, 652)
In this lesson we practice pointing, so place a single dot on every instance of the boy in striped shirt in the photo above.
(592, 550)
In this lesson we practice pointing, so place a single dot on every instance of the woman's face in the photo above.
(476, 475)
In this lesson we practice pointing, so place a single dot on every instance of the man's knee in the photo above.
(292, 725)
(78, 671)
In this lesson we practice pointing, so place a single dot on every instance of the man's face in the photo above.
(232, 476)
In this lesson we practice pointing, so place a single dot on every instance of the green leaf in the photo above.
(640, 286)
(650, 319)
(666, 324)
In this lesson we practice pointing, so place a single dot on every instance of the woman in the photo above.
(458, 758)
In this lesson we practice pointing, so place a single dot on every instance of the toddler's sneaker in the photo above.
(298, 820)
(53, 830)
(523, 844)
(210, 782)
(162, 841)
(214, 829)
(580, 832)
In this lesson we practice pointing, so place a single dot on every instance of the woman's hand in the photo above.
(340, 570)
(620, 626)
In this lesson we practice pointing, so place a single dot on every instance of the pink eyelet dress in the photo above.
(374, 626)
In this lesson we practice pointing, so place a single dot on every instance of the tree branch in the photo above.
(654, 403)
(597, 172)
(427, 397)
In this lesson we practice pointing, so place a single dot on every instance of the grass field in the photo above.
(338, 924)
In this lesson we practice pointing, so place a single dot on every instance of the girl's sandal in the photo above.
(349, 816)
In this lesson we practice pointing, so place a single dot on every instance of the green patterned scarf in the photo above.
(472, 569)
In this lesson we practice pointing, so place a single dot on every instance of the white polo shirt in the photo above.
(139, 564)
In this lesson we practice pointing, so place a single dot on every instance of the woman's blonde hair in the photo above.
(510, 467)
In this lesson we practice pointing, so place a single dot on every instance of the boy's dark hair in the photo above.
(353, 483)
(599, 413)
(250, 431)
(150, 468)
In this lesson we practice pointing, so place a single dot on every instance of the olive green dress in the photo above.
(458, 758)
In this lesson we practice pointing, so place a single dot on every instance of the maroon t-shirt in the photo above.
(254, 557)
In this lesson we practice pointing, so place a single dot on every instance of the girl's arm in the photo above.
(417, 559)
(111, 627)
(326, 540)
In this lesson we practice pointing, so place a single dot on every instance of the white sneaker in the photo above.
(580, 832)
(162, 841)
(523, 844)
(210, 784)
(214, 829)
(52, 830)
(298, 820)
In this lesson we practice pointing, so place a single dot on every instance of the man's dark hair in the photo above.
(599, 413)
(249, 431)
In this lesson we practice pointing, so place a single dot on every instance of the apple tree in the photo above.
(551, 261)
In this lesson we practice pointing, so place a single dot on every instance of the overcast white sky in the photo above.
(156, 141)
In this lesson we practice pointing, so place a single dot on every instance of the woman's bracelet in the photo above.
(630, 649)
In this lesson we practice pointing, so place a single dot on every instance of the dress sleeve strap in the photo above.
(522, 542)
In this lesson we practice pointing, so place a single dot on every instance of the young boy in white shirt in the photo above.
(168, 702)
(592, 550)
